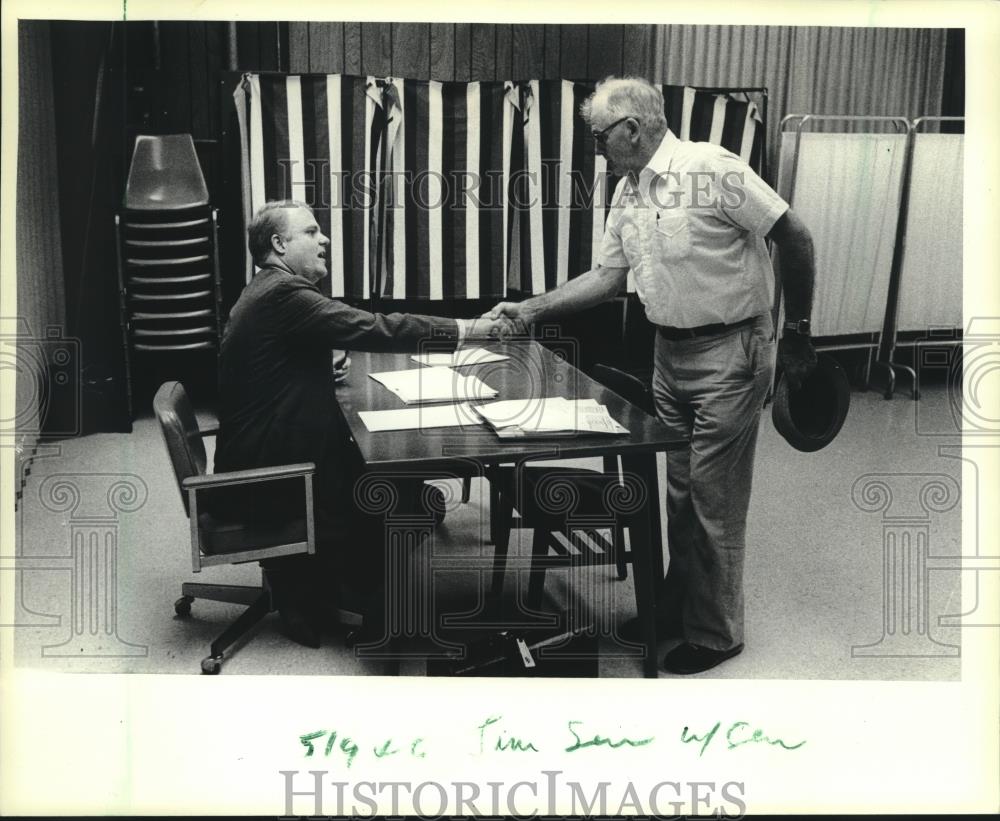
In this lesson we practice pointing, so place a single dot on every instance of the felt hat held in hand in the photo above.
(811, 417)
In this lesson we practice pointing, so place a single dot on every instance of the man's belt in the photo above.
(677, 334)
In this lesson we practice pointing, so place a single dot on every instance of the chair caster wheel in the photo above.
(210, 665)
(182, 607)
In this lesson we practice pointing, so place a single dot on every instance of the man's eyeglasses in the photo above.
(601, 137)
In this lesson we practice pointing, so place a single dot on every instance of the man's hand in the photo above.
(797, 358)
(517, 312)
(488, 327)
(513, 310)
(341, 366)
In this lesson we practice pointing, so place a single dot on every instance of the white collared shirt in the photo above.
(692, 231)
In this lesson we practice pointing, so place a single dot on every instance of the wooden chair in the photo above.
(216, 541)
(539, 495)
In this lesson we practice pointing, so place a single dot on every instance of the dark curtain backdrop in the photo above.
(88, 77)
(41, 298)
(953, 96)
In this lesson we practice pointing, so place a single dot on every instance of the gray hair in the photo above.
(271, 218)
(628, 97)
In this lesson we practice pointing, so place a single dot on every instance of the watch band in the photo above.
(802, 327)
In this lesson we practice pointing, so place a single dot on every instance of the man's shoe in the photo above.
(666, 628)
(297, 625)
(686, 659)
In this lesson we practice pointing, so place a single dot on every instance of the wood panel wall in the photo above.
(174, 66)
(469, 51)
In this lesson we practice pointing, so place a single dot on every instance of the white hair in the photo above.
(628, 97)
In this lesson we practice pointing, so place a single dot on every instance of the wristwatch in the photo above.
(802, 327)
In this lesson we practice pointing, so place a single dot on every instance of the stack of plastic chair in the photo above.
(170, 292)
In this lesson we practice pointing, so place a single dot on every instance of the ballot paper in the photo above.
(551, 416)
(423, 418)
(466, 356)
(434, 384)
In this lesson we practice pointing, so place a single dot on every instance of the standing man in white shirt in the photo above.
(690, 219)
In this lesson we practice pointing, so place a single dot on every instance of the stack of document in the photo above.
(434, 385)
(466, 356)
(553, 416)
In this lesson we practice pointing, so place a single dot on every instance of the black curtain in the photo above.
(953, 94)
(88, 86)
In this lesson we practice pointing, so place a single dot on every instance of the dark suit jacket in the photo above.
(277, 399)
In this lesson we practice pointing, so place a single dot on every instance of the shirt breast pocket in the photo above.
(673, 234)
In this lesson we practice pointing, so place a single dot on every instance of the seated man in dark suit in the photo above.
(278, 404)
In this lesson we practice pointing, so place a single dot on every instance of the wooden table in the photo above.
(531, 371)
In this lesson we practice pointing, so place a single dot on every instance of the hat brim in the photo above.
(810, 418)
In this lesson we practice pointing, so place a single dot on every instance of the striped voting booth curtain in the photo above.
(561, 190)
(441, 220)
(405, 176)
(450, 190)
(317, 139)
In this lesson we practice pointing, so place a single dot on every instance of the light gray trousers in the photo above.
(710, 390)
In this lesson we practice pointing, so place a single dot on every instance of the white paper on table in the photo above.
(466, 356)
(434, 416)
(520, 413)
(550, 415)
(434, 384)
(597, 419)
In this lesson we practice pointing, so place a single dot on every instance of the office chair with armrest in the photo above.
(520, 489)
(216, 541)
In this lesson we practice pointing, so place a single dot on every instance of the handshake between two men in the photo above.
(503, 321)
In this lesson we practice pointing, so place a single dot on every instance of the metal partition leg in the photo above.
(890, 386)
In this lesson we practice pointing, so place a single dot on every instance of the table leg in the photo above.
(644, 527)
(653, 485)
(407, 626)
